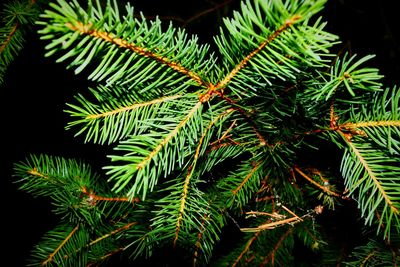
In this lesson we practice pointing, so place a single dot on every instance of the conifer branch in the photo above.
(94, 197)
(216, 130)
(51, 256)
(262, 213)
(102, 258)
(291, 212)
(35, 172)
(17, 16)
(225, 134)
(388, 242)
(123, 228)
(256, 166)
(169, 137)
(384, 123)
(132, 107)
(246, 248)
(87, 29)
(198, 243)
(271, 255)
(289, 22)
(190, 172)
(373, 176)
(323, 188)
(182, 204)
(219, 93)
(103, 237)
(12, 32)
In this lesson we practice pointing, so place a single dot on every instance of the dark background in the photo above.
(36, 90)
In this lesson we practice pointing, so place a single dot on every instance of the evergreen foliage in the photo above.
(16, 18)
(206, 141)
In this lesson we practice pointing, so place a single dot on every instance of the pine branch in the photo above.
(94, 197)
(275, 245)
(68, 184)
(12, 32)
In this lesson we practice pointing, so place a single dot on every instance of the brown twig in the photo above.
(246, 248)
(271, 255)
(323, 188)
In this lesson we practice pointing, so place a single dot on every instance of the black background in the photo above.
(36, 90)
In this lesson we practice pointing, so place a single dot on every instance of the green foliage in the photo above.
(67, 253)
(374, 175)
(203, 142)
(372, 254)
(16, 18)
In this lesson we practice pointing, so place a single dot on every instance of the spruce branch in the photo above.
(202, 143)
(362, 170)
(349, 75)
(322, 187)
(112, 120)
(204, 138)
(379, 120)
(50, 258)
(274, 249)
(271, 256)
(121, 43)
(123, 228)
(93, 197)
(17, 17)
(58, 246)
(139, 166)
(246, 248)
(372, 254)
(245, 61)
(105, 29)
